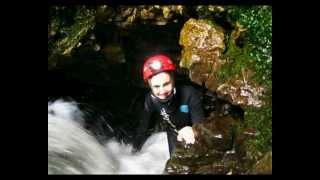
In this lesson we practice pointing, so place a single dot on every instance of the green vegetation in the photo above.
(250, 46)
(67, 27)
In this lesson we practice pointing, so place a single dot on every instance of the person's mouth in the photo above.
(164, 96)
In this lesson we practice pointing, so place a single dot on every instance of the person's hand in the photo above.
(186, 134)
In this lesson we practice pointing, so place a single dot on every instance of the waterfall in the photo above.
(74, 150)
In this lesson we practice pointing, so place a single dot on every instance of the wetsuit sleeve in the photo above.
(196, 109)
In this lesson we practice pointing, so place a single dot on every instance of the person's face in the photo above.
(161, 85)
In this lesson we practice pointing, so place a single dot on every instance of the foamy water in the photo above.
(73, 150)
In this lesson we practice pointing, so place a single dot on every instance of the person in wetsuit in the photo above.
(167, 107)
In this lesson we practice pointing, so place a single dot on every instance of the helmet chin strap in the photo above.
(164, 100)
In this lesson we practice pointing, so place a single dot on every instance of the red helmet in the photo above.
(156, 64)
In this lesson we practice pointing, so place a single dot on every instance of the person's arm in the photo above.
(144, 125)
(196, 108)
(196, 115)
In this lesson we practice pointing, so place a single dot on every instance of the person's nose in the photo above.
(162, 90)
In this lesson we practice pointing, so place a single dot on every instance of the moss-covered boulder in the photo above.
(239, 73)
(241, 90)
(203, 43)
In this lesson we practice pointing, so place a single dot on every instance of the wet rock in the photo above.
(203, 43)
(212, 152)
(160, 15)
(84, 21)
(250, 132)
(241, 90)
(263, 166)
(157, 15)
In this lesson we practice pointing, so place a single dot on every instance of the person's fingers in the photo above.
(190, 139)
(186, 134)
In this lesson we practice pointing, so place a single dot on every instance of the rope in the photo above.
(166, 117)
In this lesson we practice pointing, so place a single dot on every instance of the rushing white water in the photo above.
(73, 150)
(151, 159)
(65, 110)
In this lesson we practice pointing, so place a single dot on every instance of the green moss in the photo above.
(258, 21)
(69, 27)
(261, 120)
(253, 52)
(237, 59)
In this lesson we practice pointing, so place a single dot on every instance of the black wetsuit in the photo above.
(183, 109)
